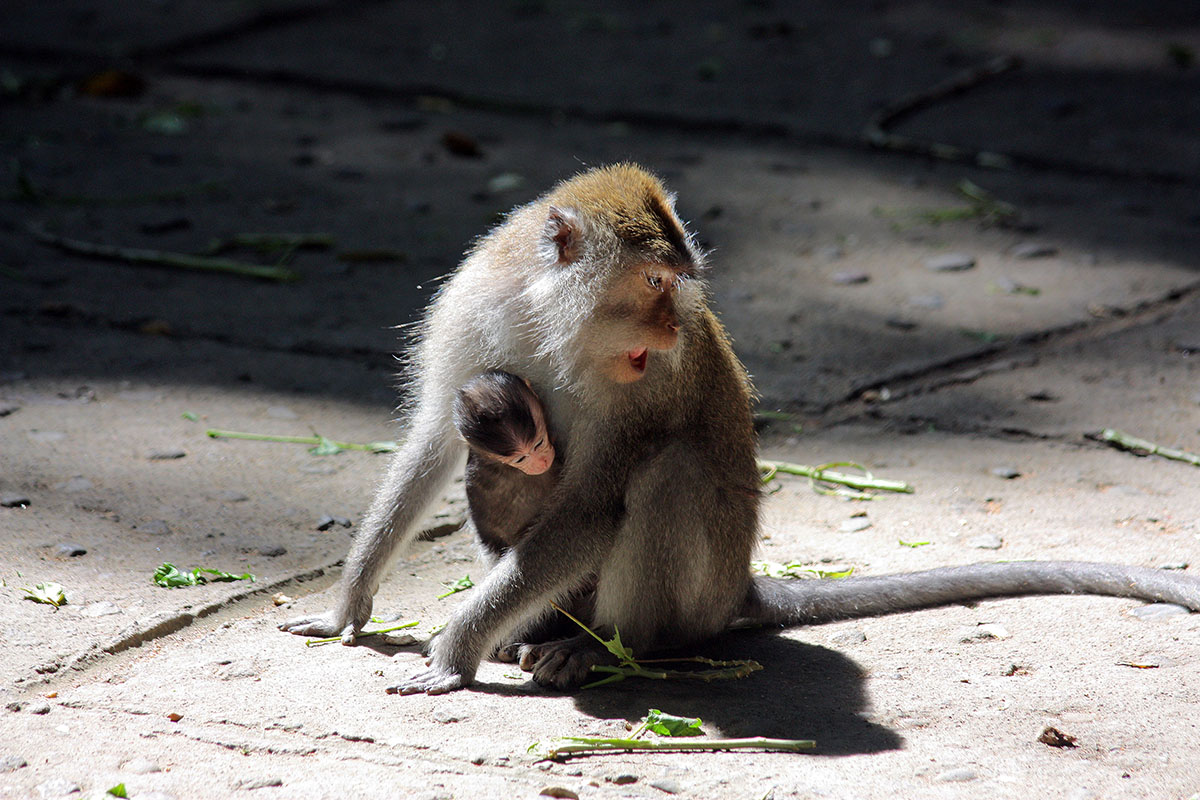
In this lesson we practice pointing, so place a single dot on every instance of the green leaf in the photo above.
(220, 576)
(118, 791)
(49, 593)
(325, 447)
(460, 585)
(170, 577)
(913, 544)
(669, 725)
(796, 569)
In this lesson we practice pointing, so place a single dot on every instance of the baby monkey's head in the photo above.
(501, 418)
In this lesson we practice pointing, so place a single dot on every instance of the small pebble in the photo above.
(1180, 565)
(1034, 250)
(13, 706)
(986, 541)
(397, 638)
(849, 278)
(68, 550)
(448, 715)
(101, 608)
(954, 775)
(327, 522)
(992, 630)
(258, 783)
(166, 454)
(854, 636)
(155, 527)
(272, 551)
(900, 324)
(854, 525)
(1158, 611)
(14, 500)
(950, 262)
(666, 785)
(12, 763)
(279, 599)
(41, 709)
(1008, 473)
(624, 779)
(56, 788)
(559, 791)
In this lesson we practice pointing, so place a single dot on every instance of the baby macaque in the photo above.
(511, 466)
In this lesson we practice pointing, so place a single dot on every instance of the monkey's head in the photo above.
(621, 257)
(501, 418)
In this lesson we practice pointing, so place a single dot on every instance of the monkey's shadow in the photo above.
(803, 692)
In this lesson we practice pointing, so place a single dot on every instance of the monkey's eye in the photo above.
(540, 444)
(519, 460)
(653, 280)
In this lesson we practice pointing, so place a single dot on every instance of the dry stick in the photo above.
(876, 132)
(1124, 441)
(161, 258)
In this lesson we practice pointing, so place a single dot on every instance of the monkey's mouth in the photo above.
(637, 360)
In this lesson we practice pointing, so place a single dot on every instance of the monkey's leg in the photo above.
(416, 476)
(814, 602)
(676, 573)
(543, 566)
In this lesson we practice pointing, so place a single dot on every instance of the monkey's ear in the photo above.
(563, 234)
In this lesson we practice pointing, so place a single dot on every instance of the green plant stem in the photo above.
(587, 746)
(332, 639)
(370, 447)
(161, 258)
(824, 473)
(1124, 441)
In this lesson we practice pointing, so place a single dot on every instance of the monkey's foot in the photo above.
(435, 680)
(322, 626)
(564, 663)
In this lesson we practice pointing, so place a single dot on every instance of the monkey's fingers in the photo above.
(432, 681)
(322, 626)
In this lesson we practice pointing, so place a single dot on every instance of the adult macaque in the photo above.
(593, 293)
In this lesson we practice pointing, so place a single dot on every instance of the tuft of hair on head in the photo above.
(629, 201)
(494, 412)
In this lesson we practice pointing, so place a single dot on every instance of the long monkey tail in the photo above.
(812, 602)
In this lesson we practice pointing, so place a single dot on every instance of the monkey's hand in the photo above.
(435, 680)
(323, 626)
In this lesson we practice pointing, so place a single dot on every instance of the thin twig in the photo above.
(1143, 447)
(161, 258)
(587, 746)
(876, 131)
(316, 441)
(824, 473)
(332, 639)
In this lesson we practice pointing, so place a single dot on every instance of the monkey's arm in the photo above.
(784, 602)
(559, 553)
(418, 473)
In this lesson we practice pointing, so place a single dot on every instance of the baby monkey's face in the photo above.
(536, 455)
